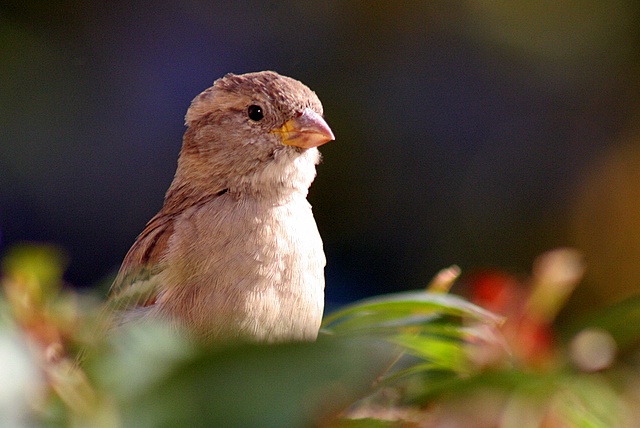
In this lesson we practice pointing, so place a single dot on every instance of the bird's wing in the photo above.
(137, 282)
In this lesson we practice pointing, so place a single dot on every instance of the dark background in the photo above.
(479, 133)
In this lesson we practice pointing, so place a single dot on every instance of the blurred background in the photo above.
(477, 133)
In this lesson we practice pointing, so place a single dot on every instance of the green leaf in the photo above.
(241, 385)
(442, 354)
(404, 309)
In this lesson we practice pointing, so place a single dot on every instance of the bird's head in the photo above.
(254, 132)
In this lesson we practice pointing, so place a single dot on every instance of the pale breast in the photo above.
(250, 269)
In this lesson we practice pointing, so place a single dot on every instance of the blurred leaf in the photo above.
(33, 272)
(402, 310)
(137, 356)
(589, 401)
(298, 384)
(621, 320)
(506, 381)
(440, 353)
(365, 423)
(21, 382)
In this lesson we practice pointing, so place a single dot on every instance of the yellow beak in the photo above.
(306, 131)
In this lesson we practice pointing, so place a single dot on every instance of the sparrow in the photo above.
(234, 252)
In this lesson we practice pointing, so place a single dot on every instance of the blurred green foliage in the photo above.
(422, 358)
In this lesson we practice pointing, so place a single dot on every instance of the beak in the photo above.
(306, 131)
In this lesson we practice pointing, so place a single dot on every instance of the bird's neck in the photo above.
(287, 175)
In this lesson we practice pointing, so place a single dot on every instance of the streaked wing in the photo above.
(135, 285)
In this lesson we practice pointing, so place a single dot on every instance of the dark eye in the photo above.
(255, 112)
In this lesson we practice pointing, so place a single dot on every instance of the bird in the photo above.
(235, 252)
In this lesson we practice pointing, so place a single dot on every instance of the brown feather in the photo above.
(145, 257)
(141, 262)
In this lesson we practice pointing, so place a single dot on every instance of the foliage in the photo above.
(420, 358)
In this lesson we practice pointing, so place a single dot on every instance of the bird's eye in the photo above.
(255, 113)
